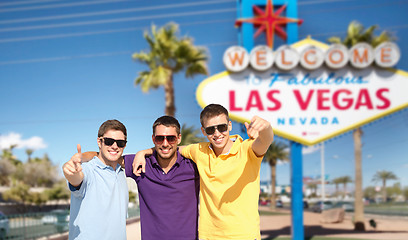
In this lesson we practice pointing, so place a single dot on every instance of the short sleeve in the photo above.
(189, 151)
(128, 164)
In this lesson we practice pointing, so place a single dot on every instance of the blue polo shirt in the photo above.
(168, 202)
(99, 207)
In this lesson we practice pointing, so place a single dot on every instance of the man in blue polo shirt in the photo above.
(99, 193)
(168, 191)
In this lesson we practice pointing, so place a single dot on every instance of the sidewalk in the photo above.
(388, 228)
(133, 229)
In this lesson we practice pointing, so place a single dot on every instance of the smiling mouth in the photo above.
(166, 150)
(113, 152)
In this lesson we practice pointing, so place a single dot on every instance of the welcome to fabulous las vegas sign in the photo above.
(309, 91)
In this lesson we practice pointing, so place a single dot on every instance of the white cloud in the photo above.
(309, 150)
(12, 138)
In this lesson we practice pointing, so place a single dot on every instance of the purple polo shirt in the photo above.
(168, 202)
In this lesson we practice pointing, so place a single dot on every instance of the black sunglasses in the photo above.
(111, 141)
(221, 128)
(159, 139)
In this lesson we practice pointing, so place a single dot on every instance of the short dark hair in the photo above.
(167, 121)
(212, 110)
(111, 125)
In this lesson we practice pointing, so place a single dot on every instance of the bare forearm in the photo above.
(75, 180)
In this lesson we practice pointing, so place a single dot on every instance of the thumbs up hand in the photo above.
(73, 169)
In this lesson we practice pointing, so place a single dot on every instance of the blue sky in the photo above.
(66, 67)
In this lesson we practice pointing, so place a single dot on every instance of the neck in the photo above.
(107, 162)
(224, 150)
(166, 164)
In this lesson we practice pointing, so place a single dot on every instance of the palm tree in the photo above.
(190, 135)
(344, 180)
(383, 176)
(276, 151)
(29, 152)
(169, 55)
(336, 182)
(313, 187)
(357, 34)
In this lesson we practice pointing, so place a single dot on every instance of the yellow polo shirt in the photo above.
(229, 190)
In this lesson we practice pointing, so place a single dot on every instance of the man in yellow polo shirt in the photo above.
(229, 175)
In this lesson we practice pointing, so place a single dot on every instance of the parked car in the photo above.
(264, 202)
(279, 203)
(305, 204)
(321, 206)
(4, 226)
(347, 206)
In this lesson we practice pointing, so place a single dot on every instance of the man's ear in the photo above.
(203, 131)
(99, 140)
(179, 139)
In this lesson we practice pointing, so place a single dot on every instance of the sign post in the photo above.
(296, 178)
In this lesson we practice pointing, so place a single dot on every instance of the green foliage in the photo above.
(190, 135)
(357, 34)
(405, 193)
(18, 193)
(168, 55)
(132, 197)
(276, 151)
(38, 172)
(58, 192)
(37, 198)
(394, 190)
(369, 192)
(383, 176)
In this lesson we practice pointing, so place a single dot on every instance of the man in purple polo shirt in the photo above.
(168, 190)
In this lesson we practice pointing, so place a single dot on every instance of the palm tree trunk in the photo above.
(273, 189)
(170, 108)
(337, 190)
(384, 191)
(358, 198)
(344, 190)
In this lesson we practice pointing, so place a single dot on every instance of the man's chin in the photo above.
(166, 157)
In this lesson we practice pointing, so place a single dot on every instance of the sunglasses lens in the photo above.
(121, 143)
(108, 141)
(159, 139)
(222, 127)
(210, 130)
(171, 139)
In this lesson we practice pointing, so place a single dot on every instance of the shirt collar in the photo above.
(235, 146)
(155, 162)
(102, 165)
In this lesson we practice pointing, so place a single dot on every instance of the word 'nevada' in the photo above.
(360, 56)
(325, 100)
